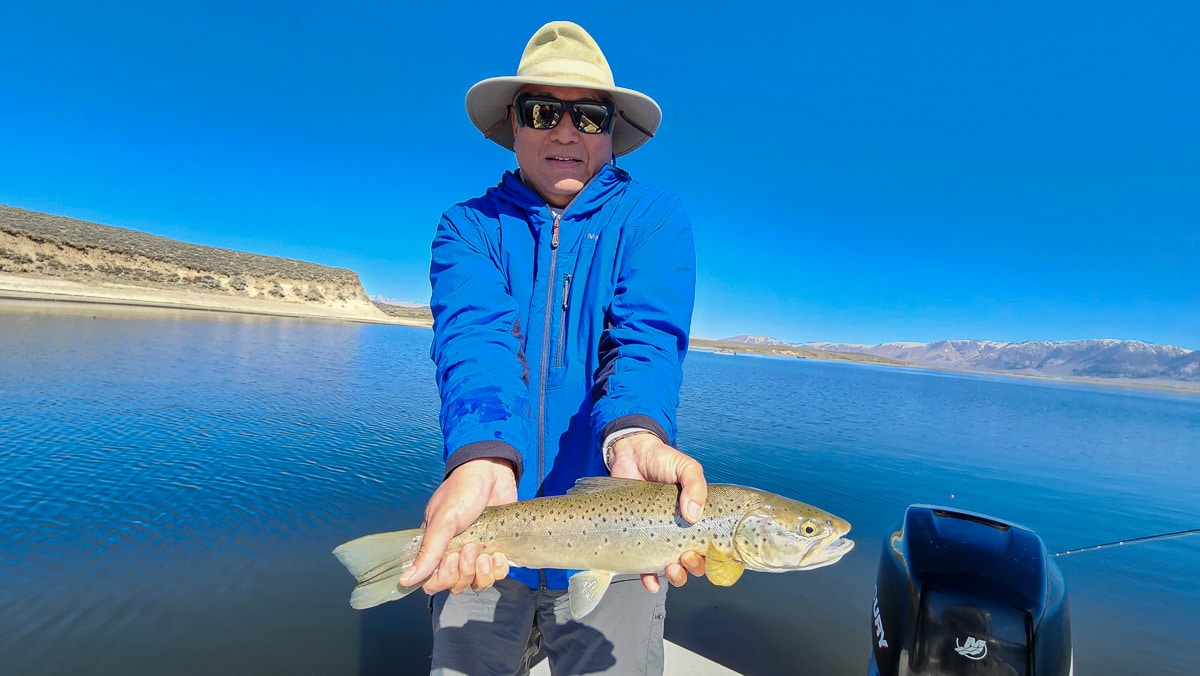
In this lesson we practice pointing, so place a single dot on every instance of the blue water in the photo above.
(171, 484)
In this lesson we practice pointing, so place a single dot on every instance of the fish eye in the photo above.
(809, 528)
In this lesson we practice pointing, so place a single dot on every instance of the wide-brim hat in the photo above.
(562, 54)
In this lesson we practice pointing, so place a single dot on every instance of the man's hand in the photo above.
(647, 458)
(454, 506)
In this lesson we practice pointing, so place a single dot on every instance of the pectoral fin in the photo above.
(720, 569)
(585, 590)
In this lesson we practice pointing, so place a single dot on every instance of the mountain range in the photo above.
(1130, 360)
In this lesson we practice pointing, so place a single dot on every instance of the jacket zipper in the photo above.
(562, 321)
(546, 357)
(541, 444)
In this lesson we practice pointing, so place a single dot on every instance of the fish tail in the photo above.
(377, 562)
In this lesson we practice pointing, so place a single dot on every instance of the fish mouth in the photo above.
(819, 556)
(831, 553)
(839, 547)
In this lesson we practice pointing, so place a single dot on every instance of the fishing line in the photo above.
(1117, 543)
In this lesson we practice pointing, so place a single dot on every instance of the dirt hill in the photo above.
(117, 263)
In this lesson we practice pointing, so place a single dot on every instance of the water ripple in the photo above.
(172, 488)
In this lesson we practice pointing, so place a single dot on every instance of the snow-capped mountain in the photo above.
(1124, 359)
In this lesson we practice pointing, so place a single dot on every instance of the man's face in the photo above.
(557, 162)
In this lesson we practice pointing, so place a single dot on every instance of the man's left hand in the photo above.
(646, 458)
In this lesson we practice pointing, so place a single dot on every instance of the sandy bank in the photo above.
(30, 288)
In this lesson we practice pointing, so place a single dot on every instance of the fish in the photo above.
(606, 526)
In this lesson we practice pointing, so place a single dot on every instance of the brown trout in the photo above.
(605, 526)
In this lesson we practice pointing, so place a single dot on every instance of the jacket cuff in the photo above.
(496, 450)
(636, 420)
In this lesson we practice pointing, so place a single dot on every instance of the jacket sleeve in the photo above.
(642, 350)
(481, 372)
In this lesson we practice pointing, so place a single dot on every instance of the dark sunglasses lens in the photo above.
(541, 114)
(591, 118)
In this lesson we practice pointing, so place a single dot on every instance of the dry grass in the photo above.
(84, 236)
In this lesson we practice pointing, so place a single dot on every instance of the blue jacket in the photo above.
(549, 335)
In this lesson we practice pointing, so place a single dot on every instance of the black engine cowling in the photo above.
(962, 593)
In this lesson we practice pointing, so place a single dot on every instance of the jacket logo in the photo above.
(592, 235)
(882, 640)
(973, 649)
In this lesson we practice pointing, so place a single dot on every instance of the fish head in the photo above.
(781, 535)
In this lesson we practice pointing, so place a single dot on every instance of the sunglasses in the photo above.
(545, 112)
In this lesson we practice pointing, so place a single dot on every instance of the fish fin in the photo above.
(371, 594)
(585, 590)
(377, 561)
(720, 569)
(591, 484)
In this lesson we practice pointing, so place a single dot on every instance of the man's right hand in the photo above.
(455, 505)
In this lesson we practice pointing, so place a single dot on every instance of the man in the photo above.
(562, 300)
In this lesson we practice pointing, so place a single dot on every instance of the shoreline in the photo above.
(1159, 386)
(19, 288)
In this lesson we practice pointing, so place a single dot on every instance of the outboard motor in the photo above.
(961, 593)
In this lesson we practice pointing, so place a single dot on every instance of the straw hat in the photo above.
(562, 54)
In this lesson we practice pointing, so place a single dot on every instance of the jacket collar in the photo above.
(603, 185)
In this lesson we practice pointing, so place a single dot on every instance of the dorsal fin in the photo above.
(592, 484)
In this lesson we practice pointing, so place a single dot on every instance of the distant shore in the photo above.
(13, 287)
(16, 287)
(731, 348)
(48, 257)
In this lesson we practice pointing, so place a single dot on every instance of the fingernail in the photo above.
(408, 577)
(693, 512)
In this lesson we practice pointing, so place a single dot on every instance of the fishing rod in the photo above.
(1118, 543)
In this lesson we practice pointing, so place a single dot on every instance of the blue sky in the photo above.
(855, 172)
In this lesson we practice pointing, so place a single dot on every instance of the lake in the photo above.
(172, 483)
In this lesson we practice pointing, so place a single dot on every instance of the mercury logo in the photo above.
(973, 649)
(878, 621)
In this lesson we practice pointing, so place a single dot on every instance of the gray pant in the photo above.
(505, 629)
